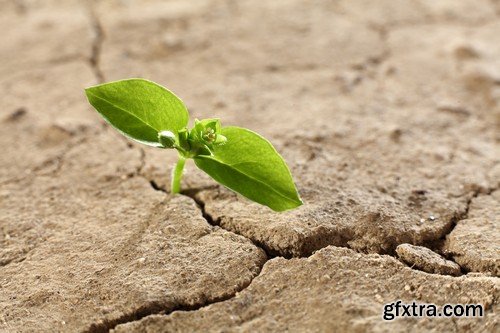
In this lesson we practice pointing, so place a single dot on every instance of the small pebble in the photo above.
(141, 260)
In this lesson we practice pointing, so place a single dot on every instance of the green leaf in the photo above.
(139, 109)
(248, 164)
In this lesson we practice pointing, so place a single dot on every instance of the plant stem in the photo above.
(177, 175)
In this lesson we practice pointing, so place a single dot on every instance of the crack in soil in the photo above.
(434, 245)
(437, 244)
(216, 222)
(138, 171)
(58, 160)
(94, 59)
(157, 308)
(191, 193)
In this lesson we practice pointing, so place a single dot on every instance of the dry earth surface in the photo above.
(388, 113)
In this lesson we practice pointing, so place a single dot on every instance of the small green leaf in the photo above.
(139, 109)
(248, 164)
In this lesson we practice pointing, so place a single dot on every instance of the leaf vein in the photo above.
(127, 112)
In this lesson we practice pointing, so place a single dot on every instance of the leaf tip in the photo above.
(88, 91)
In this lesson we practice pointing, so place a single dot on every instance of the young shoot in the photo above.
(236, 157)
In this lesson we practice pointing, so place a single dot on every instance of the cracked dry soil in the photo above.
(388, 113)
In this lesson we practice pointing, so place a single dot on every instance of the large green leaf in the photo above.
(139, 108)
(249, 165)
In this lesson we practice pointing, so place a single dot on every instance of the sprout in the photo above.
(235, 157)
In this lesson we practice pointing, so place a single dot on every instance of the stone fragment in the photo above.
(426, 260)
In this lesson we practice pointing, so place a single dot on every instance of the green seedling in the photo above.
(235, 157)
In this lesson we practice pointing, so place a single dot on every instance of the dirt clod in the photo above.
(426, 260)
